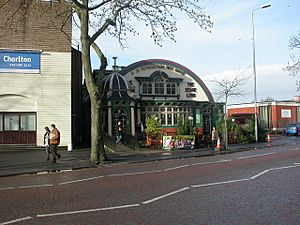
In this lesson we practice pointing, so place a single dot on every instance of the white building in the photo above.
(40, 78)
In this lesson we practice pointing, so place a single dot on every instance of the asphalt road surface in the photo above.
(254, 187)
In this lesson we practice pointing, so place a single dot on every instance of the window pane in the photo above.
(149, 88)
(28, 122)
(198, 116)
(169, 119)
(1, 122)
(163, 119)
(175, 119)
(144, 88)
(162, 91)
(159, 88)
(11, 122)
(168, 89)
(173, 91)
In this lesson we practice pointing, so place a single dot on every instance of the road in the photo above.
(254, 187)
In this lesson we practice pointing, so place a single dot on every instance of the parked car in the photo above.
(293, 128)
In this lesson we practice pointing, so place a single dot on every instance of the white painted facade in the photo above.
(172, 72)
(48, 94)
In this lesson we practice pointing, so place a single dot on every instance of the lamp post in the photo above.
(254, 69)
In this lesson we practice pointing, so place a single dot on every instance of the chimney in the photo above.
(115, 67)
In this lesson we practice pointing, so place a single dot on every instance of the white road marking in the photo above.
(218, 183)
(283, 167)
(16, 220)
(81, 180)
(251, 178)
(254, 156)
(295, 149)
(204, 163)
(87, 211)
(166, 195)
(175, 168)
(148, 172)
(134, 173)
(36, 186)
(258, 175)
(273, 169)
(145, 202)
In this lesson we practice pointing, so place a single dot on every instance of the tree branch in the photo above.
(103, 65)
(99, 5)
(4, 3)
(230, 87)
(109, 22)
(74, 4)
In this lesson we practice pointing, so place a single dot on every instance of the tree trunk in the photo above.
(98, 154)
(225, 133)
(97, 147)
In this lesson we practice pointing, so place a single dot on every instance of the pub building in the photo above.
(156, 86)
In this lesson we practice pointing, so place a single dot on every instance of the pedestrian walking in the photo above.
(47, 142)
(214, 137)
(54, 142)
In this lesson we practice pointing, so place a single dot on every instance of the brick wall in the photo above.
(280, 122)
(35, 24)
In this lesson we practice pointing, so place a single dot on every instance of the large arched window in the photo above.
(159, 84)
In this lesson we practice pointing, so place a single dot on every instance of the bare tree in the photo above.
(230, 88)
(118, 18)
(293, 66)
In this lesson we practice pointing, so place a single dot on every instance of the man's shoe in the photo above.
(58, 156)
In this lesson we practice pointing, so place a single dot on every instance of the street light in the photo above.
(254, 69)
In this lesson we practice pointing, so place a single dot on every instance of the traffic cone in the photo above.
(218, 147)
(269, 138)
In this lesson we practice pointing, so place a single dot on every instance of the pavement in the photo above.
(33, 161)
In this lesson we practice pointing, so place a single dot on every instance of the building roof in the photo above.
(116, 86)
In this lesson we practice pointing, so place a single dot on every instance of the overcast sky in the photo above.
(227, 50)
